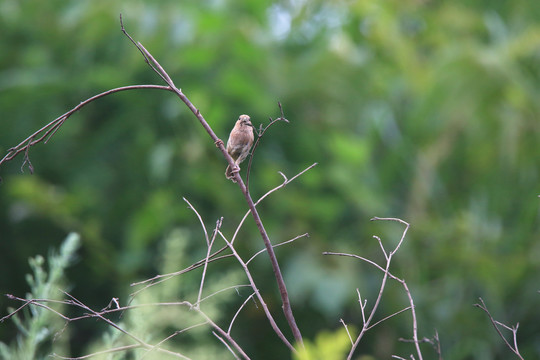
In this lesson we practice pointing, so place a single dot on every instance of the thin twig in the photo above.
(259, 137)
(235, 287)
(275, 246)
(347, 330)
(362, 306)
(494, 322)
(209, 251)
(224, 334)
(388, 317)
(178, 332)
(200, 220)
(238, 312)
(226, 345)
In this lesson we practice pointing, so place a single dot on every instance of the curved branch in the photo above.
(47, 131)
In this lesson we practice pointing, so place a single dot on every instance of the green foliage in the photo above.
(327, 346)
(426, 111)
(38, 327)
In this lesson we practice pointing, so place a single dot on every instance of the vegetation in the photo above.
(424, 111)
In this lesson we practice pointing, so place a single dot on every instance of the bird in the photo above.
(239, 144)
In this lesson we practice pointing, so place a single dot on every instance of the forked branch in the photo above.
(496, 325)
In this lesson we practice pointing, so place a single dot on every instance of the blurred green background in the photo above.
(423, 110)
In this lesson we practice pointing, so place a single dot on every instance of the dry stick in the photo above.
(389, 317)
(209, 244)
(238, 312)
(224, 334)
(235, 287)
(366, 322)
(226, 345)
(200, 220)
(347, 330)
(37, 302)
(171, 336)
(435, 342)
(494, 322)
(205, 267)
(275, 246)
(287, 310)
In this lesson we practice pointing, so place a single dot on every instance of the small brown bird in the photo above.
(239, 144)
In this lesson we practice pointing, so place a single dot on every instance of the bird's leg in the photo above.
(235, 168)
(218, 142)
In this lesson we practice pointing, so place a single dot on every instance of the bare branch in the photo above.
(494, 322)
(388, 317)
(363, 259)
(47, 131)
(362, 306)
(200, 220)
(238, 312)
(224, 334)
(209, 251)
(227, 345)
(274, 246)
(435, 342)
(269, 316)
(347, 330)
(367, 322)
(178, 332)
(235, 287)
(259, 137)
